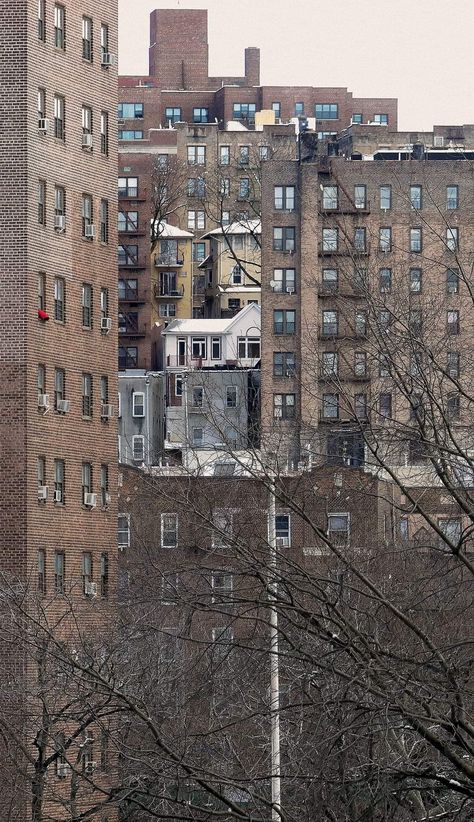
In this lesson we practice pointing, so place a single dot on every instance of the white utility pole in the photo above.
(274, 662)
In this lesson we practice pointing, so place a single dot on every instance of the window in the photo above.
(41, 471)
(104, 133)
(452, 281)
(381, 119)
(222, 586)
(86, 305)
(384, 366)
(41, 202)
(87, 39)
(123, 530)
(338, 528)
(244, 155)
(197, 437)
(41, 379)
(198, 348)
(104, 302)
(127, 254)
(284, 198)
(59, 481)
(453, 365)
(453, 406)
(452, 531)
(299, 109)
(385, 197)
(138, 448)
(41, 584)
(196, 187)
(385, 320)
(173, 115)
(329, 364)
(59, 26)
(276, 108)
(284, 322)
(130, 134)
(59, 570)
(361, 323)
(330, 406)
(415, 197)
(59, 201)
(330, 239)
(130, 111)
(224, 186)
(360, 364)
(248, 348)
(415, 240)
(330, 323)
(284, 239)
(87, 215)
(244, 188)
(59, 299)
(41, 105)
(138, 404)
(385, 405)
(42, 291)
(200, 115)
(356, 118)
(284, 280)
(197, 396)
(284, 406)
(231, 396)
(196, 220)
(415, 280)
(224, 155)
(360, 406)
(104, 485)
(197, 155)
(86, 117)
(128, 356)
(41, 20)
(169, 588)
(244, 111)
(104, 574)
(87, 395)
(360, 196)
(360, 240)
(264, 153)
(330, 281)
(199, 252)
(385, 280)
(167, 310)
(59, 386)
(330, 197)
(127, 221)
(327, 111)
(104, 221)
(86, 570)
(452, 197)
(453, 322)
(282, 531)
(284, 364)
(104, 41)
(59, 117)
(169, 530)
(385, 239)
(452, 239)
(415, 320)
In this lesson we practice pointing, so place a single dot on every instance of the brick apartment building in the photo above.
(376, 240)
(58, 340)
(214, 130)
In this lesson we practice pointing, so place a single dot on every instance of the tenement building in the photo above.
(366, 299)
(58, 361)
(191, 149)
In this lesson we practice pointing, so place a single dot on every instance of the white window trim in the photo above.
(134, 439)
(162, 520)
(124, 544)
(138, 394)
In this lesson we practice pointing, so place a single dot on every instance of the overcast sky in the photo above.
(420, 51)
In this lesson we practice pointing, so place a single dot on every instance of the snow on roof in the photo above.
(166, 230)
(210, 326)
(238, 227)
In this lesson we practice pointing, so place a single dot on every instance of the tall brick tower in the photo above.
(58, 285)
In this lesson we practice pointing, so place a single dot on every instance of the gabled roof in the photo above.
(210, 326)
(237, 227)
(165, 231)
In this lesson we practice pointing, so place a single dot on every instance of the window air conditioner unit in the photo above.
(64, 406)
(90, 767)
(90, 500)
(107, 498)
(60, 222)
(58, 496)
(89, 231)
(44, 125)
(90, 589)
(290, 290)
(42, 492)
(108, 59)
(62, 770)
(87, 141)
(282, 542)
(107, 411)
(43, 401)
(106, 324)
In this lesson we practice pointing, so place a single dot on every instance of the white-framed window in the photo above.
(169, 530)
(282, 530)
(339, 528)
(197, 155)
(284, 280)
(169, 588)
(248, 348)
(224, 155)
(198, 348)
(196, 220)
(452, 239)
(222, 520)
(215, 348)
(197, 396)
(284, 198)
(231, 396)
(330, 239)
(197, 436)
(222, 639)
(123, 530)
(138, 447)
(385, 197)
(138, 404)
(330, 197)
(222, 584)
